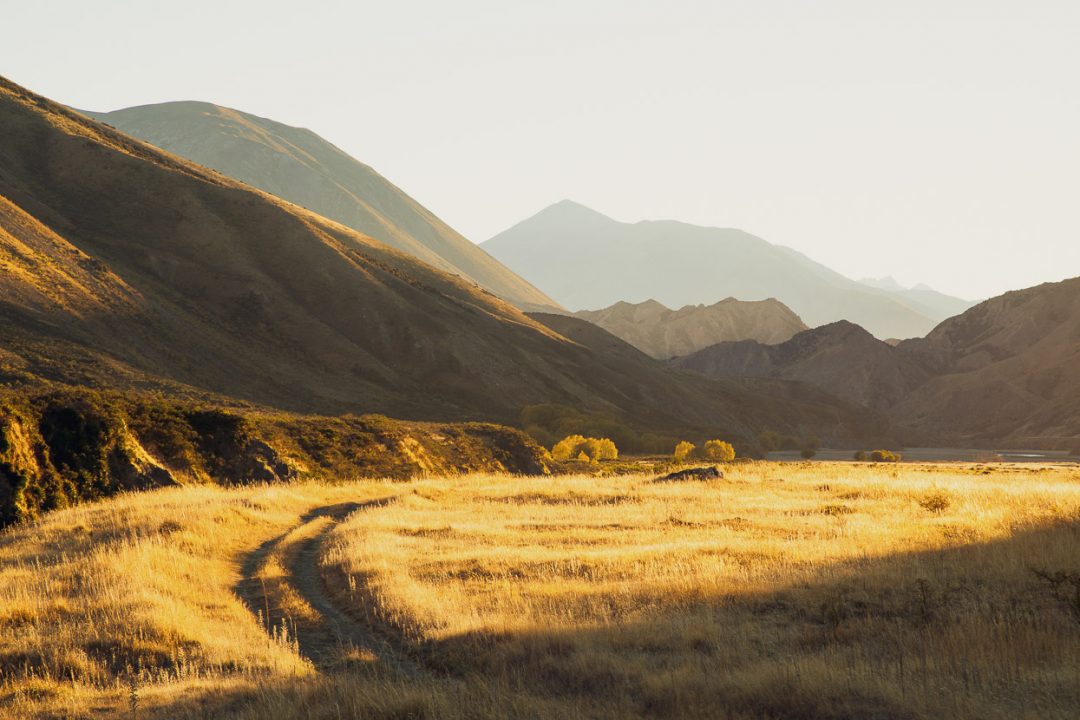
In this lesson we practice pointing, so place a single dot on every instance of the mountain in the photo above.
(128, 267)
(1007, 371)
(664, 333)
(841, 357)
(586, 260)
(1008, 368)
(303, 168)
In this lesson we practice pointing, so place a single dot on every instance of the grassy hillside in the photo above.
(781, 590)
(62, 447)
(303, 168)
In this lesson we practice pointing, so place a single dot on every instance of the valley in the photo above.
(281, 439)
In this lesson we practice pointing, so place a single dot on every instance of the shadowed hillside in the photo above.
(664, 333)
(841, 358)
(586, 260)
(301, 167)
(1007, 368)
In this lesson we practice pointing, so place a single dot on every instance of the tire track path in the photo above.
(282, 584)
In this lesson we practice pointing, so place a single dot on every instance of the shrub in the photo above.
(935, 502)
(585, 449)
(860, 455)
(684, 450)
(718, 451)
(808, 453)
(601, 449)
(884, 456)
(567, 447)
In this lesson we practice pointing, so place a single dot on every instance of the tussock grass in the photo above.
(745, 597)
(780, 591)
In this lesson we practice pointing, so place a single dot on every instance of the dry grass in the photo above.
(810, 591)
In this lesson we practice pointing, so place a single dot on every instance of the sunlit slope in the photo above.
(232, 291)
(299, 166)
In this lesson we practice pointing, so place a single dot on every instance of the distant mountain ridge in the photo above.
(1006, 370)
(664, 333)
(841, 358)
(299, 166)
(586, 260)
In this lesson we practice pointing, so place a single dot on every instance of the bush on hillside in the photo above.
(884, 456)
(718, 451)
(684, 450)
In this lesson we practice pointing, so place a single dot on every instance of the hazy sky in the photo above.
(937, 141)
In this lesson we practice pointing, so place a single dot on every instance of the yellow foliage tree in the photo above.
(567, 447)
(585, 449)
(684, 450)
(719, 451)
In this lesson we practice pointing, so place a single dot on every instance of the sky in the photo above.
(934, 141)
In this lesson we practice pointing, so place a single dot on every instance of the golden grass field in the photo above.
(810, 590)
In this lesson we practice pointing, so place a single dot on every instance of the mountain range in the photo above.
(664, 333)
(585, 260)
(125, 266)
(1006, 370)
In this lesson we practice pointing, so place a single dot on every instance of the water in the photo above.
(943, 455)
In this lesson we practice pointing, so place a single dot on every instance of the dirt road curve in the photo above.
(283, 585)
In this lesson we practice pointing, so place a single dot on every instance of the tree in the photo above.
(884, 456)
(860, 455)
(808, 453)
(684, 450)
(567, 447)
(718, 451)
(585, 449)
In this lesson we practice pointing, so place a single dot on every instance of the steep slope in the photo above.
(841, 358)
(586, 260)
(664, 333)
(303, 168)
(1007, 368)
(197, 283)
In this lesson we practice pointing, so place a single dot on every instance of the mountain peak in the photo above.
(574, 211)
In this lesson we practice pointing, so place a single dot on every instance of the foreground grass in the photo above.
(812, 591)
